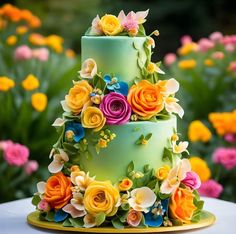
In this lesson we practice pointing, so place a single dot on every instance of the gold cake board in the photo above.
(207, 219)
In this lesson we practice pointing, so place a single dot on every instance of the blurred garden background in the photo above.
(40, 56)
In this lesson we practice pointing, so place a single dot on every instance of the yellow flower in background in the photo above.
(6, 83)
(201, 168)
(3, 23)
(110, 25)
(197, 131)
(22, 30)
(187, 48)
(39, 101)
(101, 196)
(209, 62)
(37, 39)
(223, 122)
(70, 53)
(55, 42)
(187, 64)
(11, 40)
(30, 82)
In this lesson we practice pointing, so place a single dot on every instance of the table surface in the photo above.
(13, 218)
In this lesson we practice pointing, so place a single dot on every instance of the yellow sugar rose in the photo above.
(78, 96)
(101, 196)
(92, 117)
(30, 82)
(162, 172)
(39, 101)
(110, 25)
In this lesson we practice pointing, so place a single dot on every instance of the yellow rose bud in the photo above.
(92, 117)
(6, 83)
(30, 82)
(102, 143)
(69, 135)
(125, 184)
(11, 40)
(110, 25)
(39, 101)
(162, 172)
(101, 196)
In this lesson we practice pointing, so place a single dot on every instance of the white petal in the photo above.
(41, 187)
(141, 15)
(58, 122)
(51, 152)
(64, 155)
(64, 106)
(172, 86)
(89, 221)
(73, 212)
(158, 70)
(55, 166)
(121, 16)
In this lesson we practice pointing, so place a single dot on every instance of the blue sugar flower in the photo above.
(74, 132)
(154, 218)
(60, 216)
(116, 86)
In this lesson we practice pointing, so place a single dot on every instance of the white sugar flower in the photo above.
(58, 161)
(88, 69)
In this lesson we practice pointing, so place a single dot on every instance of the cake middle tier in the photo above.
(111, 163)
(116, 55)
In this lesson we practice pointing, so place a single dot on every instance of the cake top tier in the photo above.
(122, 25)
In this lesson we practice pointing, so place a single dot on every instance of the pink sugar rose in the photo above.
(41, 54)
(16, 154)
(44, 206)
(22, 52)
(186, 39)
(5, 144)
(169, 59)
(115, 108)
(205, 44)
(192, 180)
(210, 188)
(31, 166)
(216, 36)
(226, 157)
(134, 218)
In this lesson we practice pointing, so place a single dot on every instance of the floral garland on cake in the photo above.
(150, 198)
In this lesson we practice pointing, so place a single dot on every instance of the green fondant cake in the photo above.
(118, 160)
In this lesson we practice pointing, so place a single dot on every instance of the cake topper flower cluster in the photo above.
(122, 25)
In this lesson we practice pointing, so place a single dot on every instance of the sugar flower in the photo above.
(22, 52)
(89, 221)
(74, 132)
(180, 147)
(44, 206)
(134, 217)
(96, 29)
(154, 218)
(41, 186)
(58, 162)
(115, 108)
(110, 25)
(175, 176)
(116, 86)
(225, 157)
(88, 69)
(152, 67)
(141, 199)
(192, 180)
(58, 122)
(125, 184)
(83, 180)
(75, 213)
(210, 188)
(16, 154)
(172, 106)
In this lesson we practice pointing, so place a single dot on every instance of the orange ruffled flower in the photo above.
(146, 99)
(181, 205)
(58, 190)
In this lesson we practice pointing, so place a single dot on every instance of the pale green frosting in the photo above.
(115, 54)
(111, 162)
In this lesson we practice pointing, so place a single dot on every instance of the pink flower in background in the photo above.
(5, 144)
(229, 137)
(22, 52)
(192, 180)
(16, 154)
(41, 54)
(216, 36)
(226, 157)
(169, 59)
(31, 166)
(232, 66)
(218, 55)
(229, 47)
(186, 39)
(229, 40)
(210, 188)
(205, 44)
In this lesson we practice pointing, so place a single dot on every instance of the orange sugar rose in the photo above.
(58, 190)
(181, 205)
(146, 99)
(125, 184)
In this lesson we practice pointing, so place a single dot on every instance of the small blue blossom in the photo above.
(154, 218)
(116, 86)
(74, 132)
